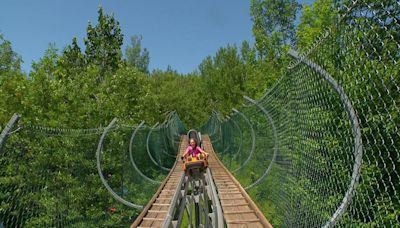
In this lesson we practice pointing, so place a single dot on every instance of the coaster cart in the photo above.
(192, 165)
(195, 188)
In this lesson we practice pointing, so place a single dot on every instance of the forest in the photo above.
(75, 87)
(78, 87)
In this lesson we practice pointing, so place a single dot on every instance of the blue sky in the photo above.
(179, 33)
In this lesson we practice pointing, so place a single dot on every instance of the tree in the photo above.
(137, 57)
(9, 60)
(313, 20)
(224, 79)
(13, 82)
(103, 43)
(42, 85)
(72, 61)
(273, 25)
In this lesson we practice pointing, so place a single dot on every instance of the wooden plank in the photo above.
(244, 221)
(161, 204)
(151, 215)
(232, 198)
(234, 204)
(155, 211)
(239, 212)
(153, 219)
(239, 209)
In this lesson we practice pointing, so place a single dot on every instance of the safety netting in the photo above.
(322, 146)
(101, 177)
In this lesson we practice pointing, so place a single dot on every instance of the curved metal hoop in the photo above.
(165, 138)
(133, 161)
(276, 144)
(358, 148)
(228, 147)
(148, 150)
(103, 180)
(241, 139)
(214, 118)
(253, 140)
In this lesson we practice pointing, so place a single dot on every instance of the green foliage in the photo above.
(9, 60)
(314, 19)
(72, 61)
(316, 157)
(56, 181)
(136, 57)
(273, 26)
(184, 94)
(224, 77)
(76, 89)
(103, 43)
(13, 88)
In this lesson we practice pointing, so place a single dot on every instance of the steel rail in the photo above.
(163, 186)
(227, 186)
(219, 220)
(174, 201)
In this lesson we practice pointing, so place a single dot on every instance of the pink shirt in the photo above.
(193, 152)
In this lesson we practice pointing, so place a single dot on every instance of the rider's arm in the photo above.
(187, 151)
(203, 151)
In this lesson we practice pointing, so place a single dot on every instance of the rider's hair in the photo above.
(195, 141)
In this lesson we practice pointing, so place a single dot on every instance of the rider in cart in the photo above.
(193, 150)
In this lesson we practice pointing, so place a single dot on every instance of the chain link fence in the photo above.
(49, 176)
(335, 113)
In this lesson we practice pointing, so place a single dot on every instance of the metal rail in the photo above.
(155, 212)
(218, 216)
(202, 191)
(237, 206)
(177, 197)
(230, 204)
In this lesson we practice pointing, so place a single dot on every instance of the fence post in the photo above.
(3, 136)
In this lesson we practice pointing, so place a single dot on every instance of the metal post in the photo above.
(3, 136)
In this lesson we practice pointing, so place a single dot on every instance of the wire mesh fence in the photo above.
(336, 117)
(49, 177)
(320, 148)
